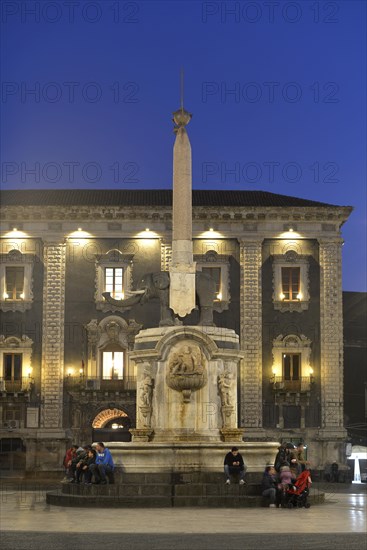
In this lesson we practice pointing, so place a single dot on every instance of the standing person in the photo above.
(234, 464)
(293, 460)
(280, 457)
(104, 464)
(268, 485)
(302, 462)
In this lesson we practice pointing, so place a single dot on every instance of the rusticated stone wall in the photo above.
(53, 335)
(251, 334)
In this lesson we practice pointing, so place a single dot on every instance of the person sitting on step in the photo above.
(104, 465)
(234, 464)
(269, 484)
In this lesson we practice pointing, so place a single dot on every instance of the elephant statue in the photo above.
(156, 285)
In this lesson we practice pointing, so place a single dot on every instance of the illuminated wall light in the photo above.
(29, 371)
(22, 295)
(211, 229)
(147, 229)
(290, 229)
(5, 295)
(281, 296)
(219, 296)
(70, 371)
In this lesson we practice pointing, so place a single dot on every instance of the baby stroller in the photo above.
(297, 496)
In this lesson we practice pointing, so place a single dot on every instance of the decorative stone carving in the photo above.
(187, 370)
(225, 390)
(145, 396)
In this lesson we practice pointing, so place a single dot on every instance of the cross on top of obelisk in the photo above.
(181, 117)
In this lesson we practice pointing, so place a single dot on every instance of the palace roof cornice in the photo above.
(219, 205)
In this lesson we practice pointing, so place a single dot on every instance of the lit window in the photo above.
(16, 270)
(291, 366)
(291, 283)
(14, 283)
(114, 282)
(113, 275)
(112, 365)
(13, 371)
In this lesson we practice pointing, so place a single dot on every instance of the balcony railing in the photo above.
(301, 385)
(16, 386)
(83, 383)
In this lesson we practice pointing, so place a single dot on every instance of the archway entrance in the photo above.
(111, 425)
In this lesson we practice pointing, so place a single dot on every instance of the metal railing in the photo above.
(303, 384)
(86, 383)
(16, 386)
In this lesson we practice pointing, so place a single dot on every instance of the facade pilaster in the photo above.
(331, 323)
(251, 334)
(53, 335)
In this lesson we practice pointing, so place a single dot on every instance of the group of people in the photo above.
(88, 464)
(278, 479)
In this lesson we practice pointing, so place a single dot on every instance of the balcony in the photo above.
(22, 385)
(304, 384)
(82, 383)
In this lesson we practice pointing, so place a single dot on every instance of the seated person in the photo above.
(286, 482)
(82, 457)
(269, 483)
(234, 464)
(68, 458)
(85, 468)
(103, 466)
(80, 454)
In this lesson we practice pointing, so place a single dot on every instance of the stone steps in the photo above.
(195, 489)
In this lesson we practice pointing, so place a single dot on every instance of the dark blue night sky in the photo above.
(277, 90)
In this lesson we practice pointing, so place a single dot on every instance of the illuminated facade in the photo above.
(65, 374)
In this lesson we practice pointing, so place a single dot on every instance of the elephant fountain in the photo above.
(156, 285)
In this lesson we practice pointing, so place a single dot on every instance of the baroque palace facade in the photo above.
(65, 375)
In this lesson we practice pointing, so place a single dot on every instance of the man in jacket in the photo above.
(104, 464)
(234, 464)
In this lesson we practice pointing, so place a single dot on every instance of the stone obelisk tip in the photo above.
(182, 269)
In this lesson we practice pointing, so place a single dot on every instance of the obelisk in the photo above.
(182, 269)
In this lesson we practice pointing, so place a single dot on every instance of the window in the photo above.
(13, 366)
(14, 277)
(16, 270)
(114, 282)
(114, 275)
(217, 266)
(15, 363)
(216, 274)
(291, 283)
(112, 365)
(291, 366)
